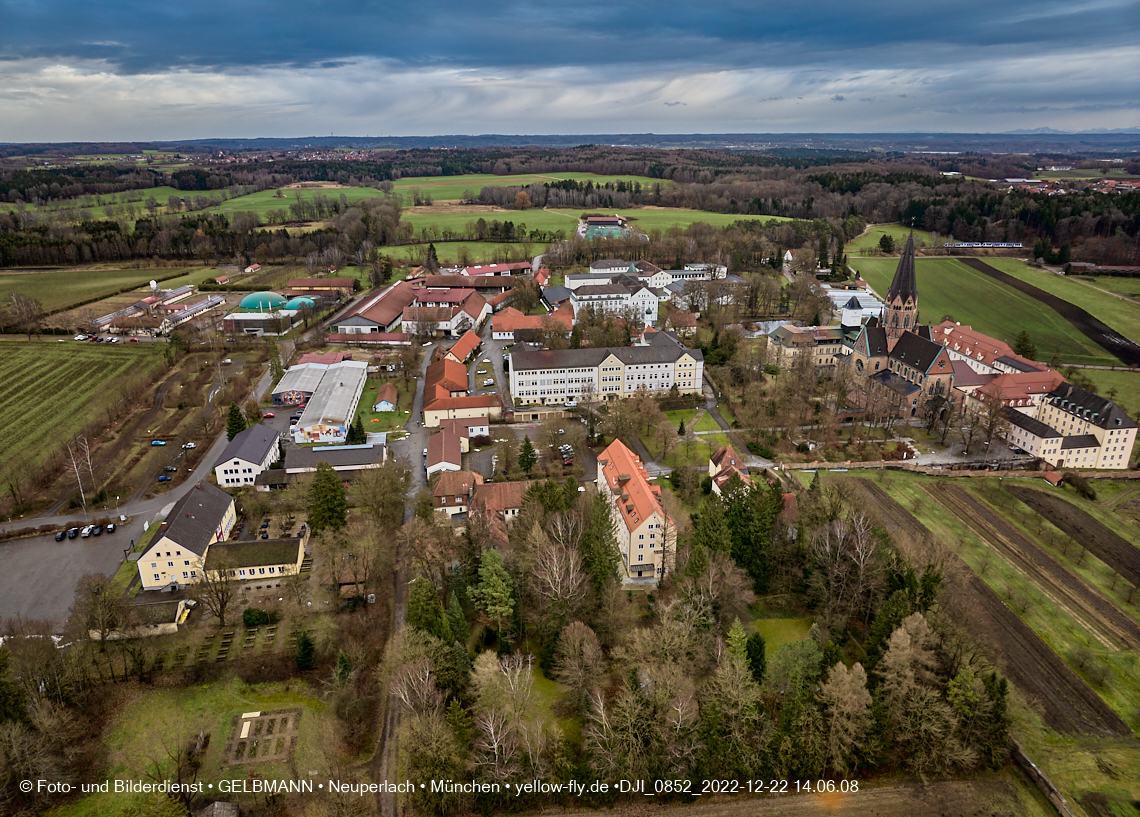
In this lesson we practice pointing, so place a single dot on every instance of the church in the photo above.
(897, 365)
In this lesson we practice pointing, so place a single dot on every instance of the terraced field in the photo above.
(52, 390)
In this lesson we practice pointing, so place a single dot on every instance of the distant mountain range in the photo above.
(1075, 132)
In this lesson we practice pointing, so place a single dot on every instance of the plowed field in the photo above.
(1065, 701)
(1115, 551)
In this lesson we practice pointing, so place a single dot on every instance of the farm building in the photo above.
(335, 287)
(386, 397)
(248, 454)
(464, 347)
(332, 406)
(265, 313)
(380, 313)
(465, 428)
(298, 384)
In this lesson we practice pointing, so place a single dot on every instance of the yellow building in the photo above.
(204, 516)
(646, 536)
(821, 346)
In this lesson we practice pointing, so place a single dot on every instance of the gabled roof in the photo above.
(583, 358)
(496, 497)
(457, 483)
(195, 519)
(726, 455)
(321, 283)
(899, 385)
(469, 282)
(965, 377)
(387, 394)
(467, 402)
(916, 351)
(443, 446)
(327, 358)
(446, 373)
(904, 286)
(301, 457)
(1079, 441)
(1095, 409)
(251, 445)
(462, 425)
(1032, 425)
(465, 345)
(876, 337)
(1022, 385)
(625, 476)
(385, 307)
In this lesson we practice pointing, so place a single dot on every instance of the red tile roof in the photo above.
(511, 320)
(467, 402)
(444, 447)
(387, 393)
(465, 345)
(1017, 389)
(628, 480)
(457, 483)
(327, 357)
(444, 377)
(385, 307)
(496, 497)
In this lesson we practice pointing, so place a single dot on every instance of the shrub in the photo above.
(1080, 484)
(772, 369)
(254, 617)
(761, 450)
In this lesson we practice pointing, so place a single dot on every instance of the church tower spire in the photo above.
(902, 298)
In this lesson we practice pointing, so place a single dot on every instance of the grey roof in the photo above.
(304, 377)
(876, 340)
(195, 518)
(556, 294)
(904, 286)
(251, 445)
(1033, 426)
(1097, 410)
(1080, 441)
(338, 456)
(1020, 365)
(899, 385)
(614, 288)
(334, 401)
(589, 358)
(916, 351)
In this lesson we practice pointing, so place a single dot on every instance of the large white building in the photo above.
(249, 453)
(555, 377)
(332, 407)
(623, 294)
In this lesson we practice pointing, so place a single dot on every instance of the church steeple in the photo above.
(902, 298)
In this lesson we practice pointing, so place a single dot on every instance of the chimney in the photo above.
(165, 525)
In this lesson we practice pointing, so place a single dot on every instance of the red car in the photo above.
(269, 414)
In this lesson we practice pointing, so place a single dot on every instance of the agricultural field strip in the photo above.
(1083, 604)
(1069, 705)
(30, 421)
(1119, 554)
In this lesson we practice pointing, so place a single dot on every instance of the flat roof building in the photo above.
(332, 406)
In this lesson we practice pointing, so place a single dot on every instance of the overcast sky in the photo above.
(90, 70)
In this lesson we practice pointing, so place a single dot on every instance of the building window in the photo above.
(156, 577)
(170, 564)
(193, 574)
(185, 575)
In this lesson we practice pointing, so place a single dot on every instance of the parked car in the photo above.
(264, 534)
(158, 442)
(485, 360)
(265, 524)
(134, 340)
(571, 404)
(426, 345)
(97, 530)
(227, 361)
(72, 533)
(269, 415)
(110, 527)
(86, 531)
(488, 382)
(170, 468)
(112, 340)
(60, 535)
(188, 445)
(164, 478)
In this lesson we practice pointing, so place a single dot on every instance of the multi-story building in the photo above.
(556, 377)
(646, 536)
(250, 452)
(623, 295)
(821, 346)
(1093, 431)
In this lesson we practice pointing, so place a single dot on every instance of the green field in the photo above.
(266, 200)
(454, 188)
(96, 203)
(869, 241)
(949, 289)
(1120, 315)
(1126, 384)
(1121, 285)
(59, 289)
(481, 252)
(52, 389)
(154, 719)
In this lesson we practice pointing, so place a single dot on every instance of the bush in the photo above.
(481, 441)
(772, 369)
(1080, 484)
(254, 617)
(761, 450)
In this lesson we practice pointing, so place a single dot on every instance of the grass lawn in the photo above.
(480, 252)
(778, 625)
(706, 423)
(59, 289)
(266, 200)
(453, 188)
(385, 420)
(869, 241)
(677, 415)
(51, 389)
(948, 288)
(1125, 286)
(1120, 315)
(145, 718)
(96, 203)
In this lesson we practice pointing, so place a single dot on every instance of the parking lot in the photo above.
(40, 574)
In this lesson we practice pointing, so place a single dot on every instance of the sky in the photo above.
(131, 70)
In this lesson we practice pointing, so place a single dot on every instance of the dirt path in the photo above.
(1115, 551)
(1091, 327)
(1066, 702)
(1086, 606)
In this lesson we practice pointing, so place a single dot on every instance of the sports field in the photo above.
(52, 389)
(59, 289)
(948, 288)
(1122, 316)
(869, 241)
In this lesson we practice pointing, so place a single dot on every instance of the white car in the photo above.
(571, 404)
(488, 382)
(188, 446)
(426, 345)
(485, 360)
(227, 361)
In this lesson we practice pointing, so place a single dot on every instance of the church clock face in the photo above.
(942, 364)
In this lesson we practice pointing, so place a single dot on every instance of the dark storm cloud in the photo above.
(232, 36)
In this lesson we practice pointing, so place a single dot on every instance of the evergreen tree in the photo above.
(738, 640)
(681, 427)
(276, 370)
(710, 530)
(494, 595)
(235, 423)
(1024, 346)
(456, 620)
(431, 261)
(527, 456)
(887, 244)
(756, 651)
(823, 262)
(426, 612)
(306, 657)
(460, 721)
(328, 508)
(356, 435)
(600, 555)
